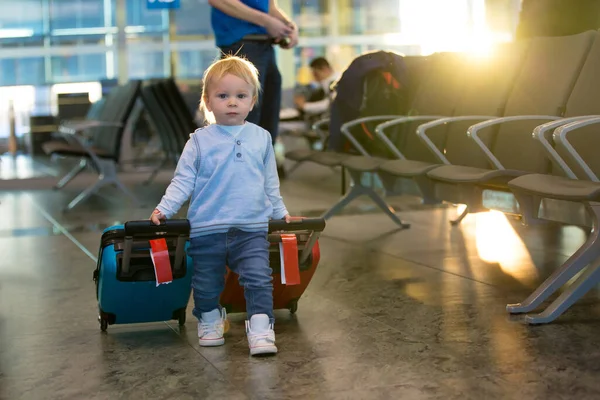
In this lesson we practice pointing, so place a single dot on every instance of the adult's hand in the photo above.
(292, 38)
(278, 29)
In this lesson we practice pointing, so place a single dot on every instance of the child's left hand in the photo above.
(289, 219)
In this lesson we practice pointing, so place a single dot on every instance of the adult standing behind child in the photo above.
(228, 168)
(249, 28)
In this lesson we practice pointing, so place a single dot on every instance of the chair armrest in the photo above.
(346, 129)
(318, 128)
(80, 141)
(421, 131)
(560, 138)
(318, 124)
(379, 130)
(473, 132)
(78, 126)
(540, 133)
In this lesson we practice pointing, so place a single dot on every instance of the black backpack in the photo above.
(374, 84)
(382, 95)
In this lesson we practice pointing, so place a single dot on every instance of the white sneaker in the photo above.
(211, 328)
(261, 337)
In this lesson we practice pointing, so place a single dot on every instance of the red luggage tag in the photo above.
(159, 252)
(288, 249)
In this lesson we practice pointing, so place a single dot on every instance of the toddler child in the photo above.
(228, 169)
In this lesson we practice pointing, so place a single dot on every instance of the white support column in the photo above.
(121, 48)
(169, 28)
(172, 56)
(47, 42)
(285, 58)
(334, 23)
(516, 14)
(109, 41)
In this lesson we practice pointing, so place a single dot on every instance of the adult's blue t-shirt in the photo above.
(229, 30)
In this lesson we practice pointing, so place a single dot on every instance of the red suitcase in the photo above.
(307, 231)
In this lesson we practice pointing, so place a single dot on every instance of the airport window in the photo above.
(146, 63)
(148, 20)
(77, 14)
(192, 63)
(22, 71)
(312, 17)
(193, 18)
(21, 19)
(78, 67)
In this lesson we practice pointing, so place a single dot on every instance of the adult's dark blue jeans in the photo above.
(262, 54)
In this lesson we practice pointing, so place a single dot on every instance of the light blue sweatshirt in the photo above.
(232, 179)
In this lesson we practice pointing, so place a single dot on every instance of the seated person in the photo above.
(317, 100)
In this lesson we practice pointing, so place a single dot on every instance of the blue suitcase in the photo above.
(125, 278)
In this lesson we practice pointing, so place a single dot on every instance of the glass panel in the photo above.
(74, 40)
(22, 42)
(193, 18)
(22, 71)
(311, 16)
(192, 63)
(78, 67)
(139, 16)
(73, 14)
(370, 16)
(146, 59)
(303, 56)
(23, 99)
(502, 17)
(22, 18)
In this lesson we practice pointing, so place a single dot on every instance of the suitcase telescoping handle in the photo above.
(146, 229)
(314, 225)
(300, 224)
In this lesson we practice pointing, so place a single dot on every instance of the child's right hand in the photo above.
(157, 217)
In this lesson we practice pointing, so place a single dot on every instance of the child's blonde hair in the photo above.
(233, 65)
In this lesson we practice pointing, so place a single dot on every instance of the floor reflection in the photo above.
(498, 242)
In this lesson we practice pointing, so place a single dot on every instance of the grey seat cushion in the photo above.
(73, 150)
(407, 168)
(459, 174)
(557, 187)
(300, 154)
(329, 158)
(363, 163)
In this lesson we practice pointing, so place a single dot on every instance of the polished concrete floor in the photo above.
(413, 314)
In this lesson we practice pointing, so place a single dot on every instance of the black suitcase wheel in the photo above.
(293, 306)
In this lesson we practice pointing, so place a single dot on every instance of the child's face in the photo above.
(230, 99)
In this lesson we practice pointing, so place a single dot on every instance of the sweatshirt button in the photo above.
(238, 142)
(238, 155)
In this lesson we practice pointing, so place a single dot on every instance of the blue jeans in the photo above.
(266, 112)
(246, 254)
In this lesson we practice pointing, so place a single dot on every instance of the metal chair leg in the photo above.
(107, 176)
(72, 174)
(588, 252)
(459, 219)
(357, 190)
(577, 290)
(155, 172)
